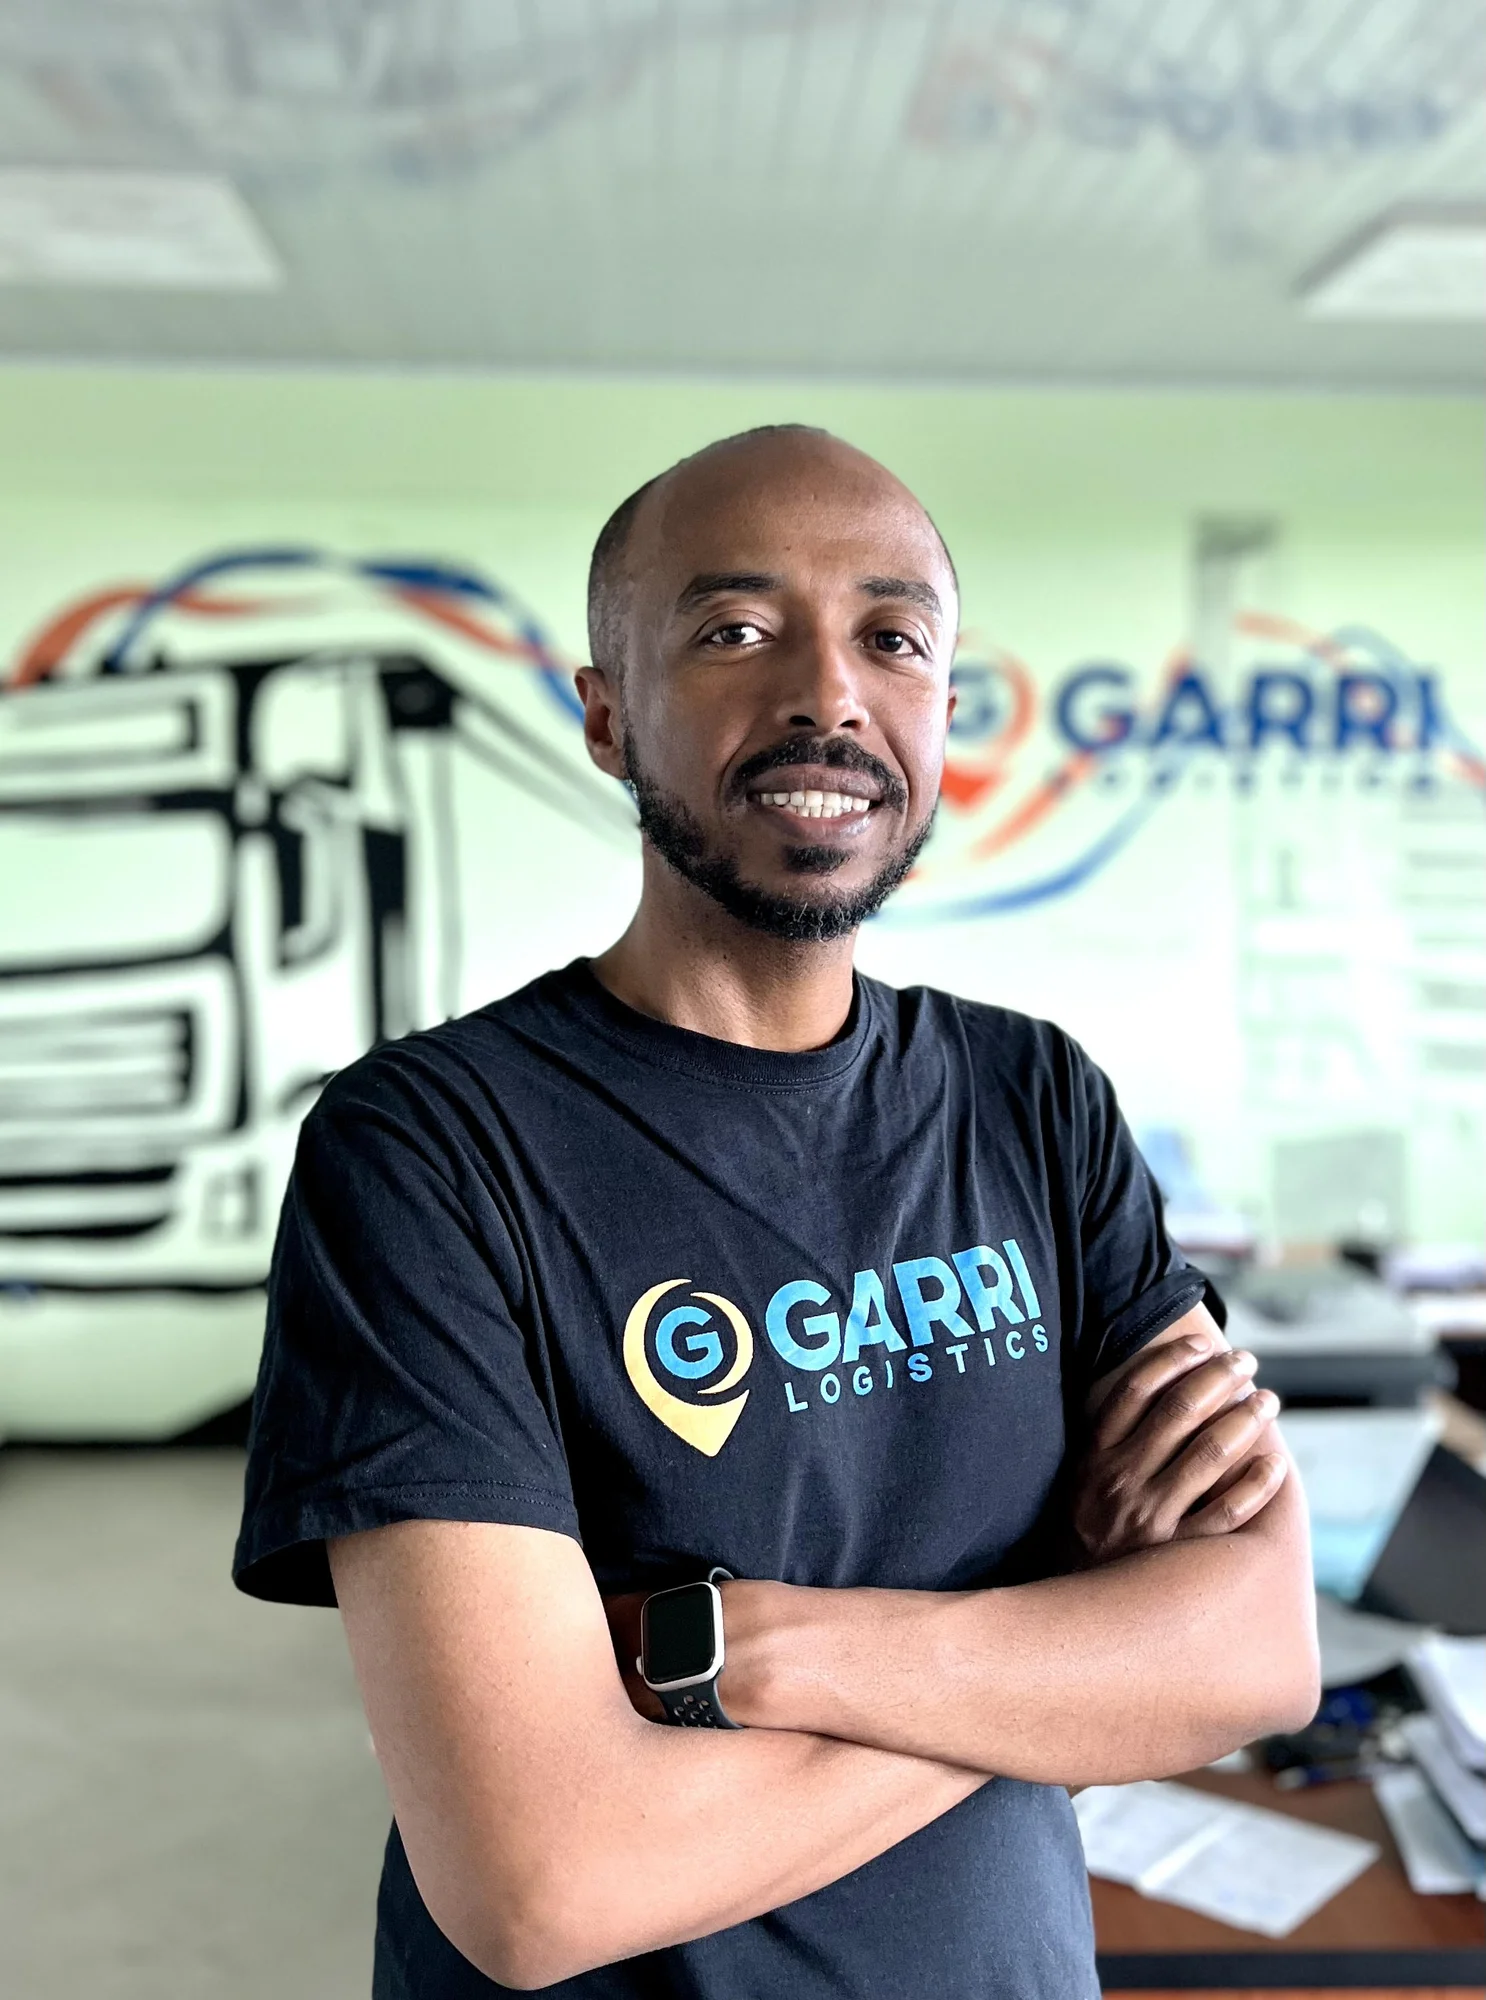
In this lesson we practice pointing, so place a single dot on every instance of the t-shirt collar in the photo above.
(705, 1056)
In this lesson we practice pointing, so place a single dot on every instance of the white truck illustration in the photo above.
(219, 883)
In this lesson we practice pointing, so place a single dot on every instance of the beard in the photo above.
(680, 839)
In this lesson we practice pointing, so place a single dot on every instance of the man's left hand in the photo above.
(1180, 1446)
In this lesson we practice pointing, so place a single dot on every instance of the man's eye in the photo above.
(741, 633)
(895, 644)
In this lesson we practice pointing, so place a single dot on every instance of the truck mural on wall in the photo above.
(224, 874)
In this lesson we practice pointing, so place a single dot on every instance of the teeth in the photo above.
(817, 805)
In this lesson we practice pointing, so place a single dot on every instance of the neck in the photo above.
(686, 961)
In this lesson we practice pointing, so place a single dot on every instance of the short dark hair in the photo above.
(606, 575)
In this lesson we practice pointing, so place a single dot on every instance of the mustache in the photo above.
(837, 753)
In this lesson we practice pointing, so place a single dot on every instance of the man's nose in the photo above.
(822, 688)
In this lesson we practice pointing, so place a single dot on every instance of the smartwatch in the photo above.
(681, 1652)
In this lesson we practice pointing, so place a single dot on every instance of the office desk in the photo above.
(1376, 1933)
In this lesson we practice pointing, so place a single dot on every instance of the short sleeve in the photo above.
(396, 1382)
(1134, 1281)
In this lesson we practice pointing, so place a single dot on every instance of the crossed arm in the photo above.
(551, 1828)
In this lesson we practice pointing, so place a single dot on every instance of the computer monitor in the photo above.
(1432, 1570)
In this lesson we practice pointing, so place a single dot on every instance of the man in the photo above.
(708, 1252)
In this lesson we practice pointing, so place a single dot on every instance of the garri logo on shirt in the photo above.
(707, 1347)
(689, 1346)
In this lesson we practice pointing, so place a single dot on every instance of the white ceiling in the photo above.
(1111, 190)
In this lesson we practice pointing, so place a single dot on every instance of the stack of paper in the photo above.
(1257, 1870)
(1438, 1858)
(1437, 1812)
(1451, 1676)
(1463, 1790)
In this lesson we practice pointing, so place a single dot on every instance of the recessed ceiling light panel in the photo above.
(1421, 266)
(80, 226)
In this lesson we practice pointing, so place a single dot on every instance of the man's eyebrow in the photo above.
(714, 583)
(903, 586)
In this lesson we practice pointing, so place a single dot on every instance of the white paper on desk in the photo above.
(1131, 1831)
(1261, 1871)
(1264, 1872)
(1439, 1859)
(1463, 1790)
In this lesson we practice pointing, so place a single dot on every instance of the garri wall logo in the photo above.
(974, 1302)
(1048, 781)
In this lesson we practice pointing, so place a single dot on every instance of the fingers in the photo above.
(1152, 1372)
(1167, 1399)
(1130, 1501)
(1190, 1404)
(1249, 1495)
(1214, 1452)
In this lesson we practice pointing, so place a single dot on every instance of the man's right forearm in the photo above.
(687, 1832)
(548, 1826)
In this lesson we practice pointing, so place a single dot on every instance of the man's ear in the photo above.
(602, 731)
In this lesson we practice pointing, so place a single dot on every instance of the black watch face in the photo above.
(677, 1636)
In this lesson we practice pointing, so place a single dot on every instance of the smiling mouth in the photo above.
(822, 793)
(815, 805)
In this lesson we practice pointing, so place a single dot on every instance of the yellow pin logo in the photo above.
(706, 1427)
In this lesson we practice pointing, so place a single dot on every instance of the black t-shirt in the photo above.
(825, 1317)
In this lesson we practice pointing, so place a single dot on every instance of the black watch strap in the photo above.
(696, 1707)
